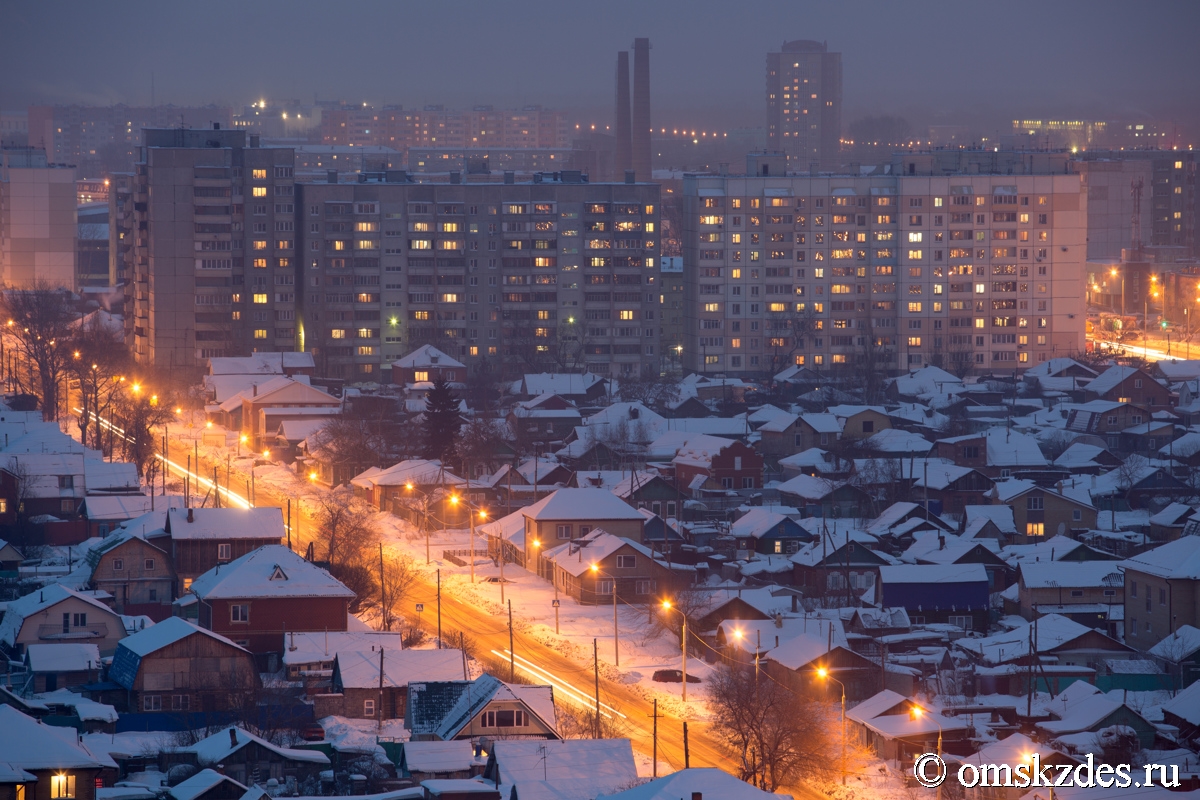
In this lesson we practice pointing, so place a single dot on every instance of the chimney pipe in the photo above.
(641, 109)
(216, 126)
(624, 154)
(191, 515)
(233, 742)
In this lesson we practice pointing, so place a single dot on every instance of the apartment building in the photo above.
(804, 104)
(436, 127)
(968, 261)
(551, 274)
(211, 266)
(37, 219)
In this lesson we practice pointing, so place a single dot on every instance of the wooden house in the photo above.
(49, 766)
(203, 538)
(55, 614)
(599, 567)
(57, 666)
(137, 573)
(243, 756)
(358, 687)
(483, 708)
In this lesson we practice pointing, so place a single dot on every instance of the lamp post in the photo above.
(596, 573)
(424, 515)
(917, 713)
(824, 675)
(666, 604)
(471, 510)
(1113, 272)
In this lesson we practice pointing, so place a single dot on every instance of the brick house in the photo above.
(592, 568)
(427, 364)
(177, 667)
(137, 573)
(838, 567)
(254, 599)
(1083, 591)
(728, 463)
(1128, 385)
(1106, 419)
(54, 614)
(355, 686)
(1038, 511)
(1162, 591)
(202, 538)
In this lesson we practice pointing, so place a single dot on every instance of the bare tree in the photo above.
(344, 528)
(398, 577)
(138, 413)
(775, 734)
(39, 330)
(651, 391)
(98, 362)
(351, 443)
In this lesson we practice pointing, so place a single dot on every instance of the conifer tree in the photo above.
(441, 425)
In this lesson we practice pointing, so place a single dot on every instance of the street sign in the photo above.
(420, 607)
(555, 604)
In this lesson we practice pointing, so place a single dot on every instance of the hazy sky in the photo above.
(924, 58)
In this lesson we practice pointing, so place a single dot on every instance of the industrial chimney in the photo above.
(641, 109)
(624, 149)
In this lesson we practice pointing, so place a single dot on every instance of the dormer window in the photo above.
(278, 574)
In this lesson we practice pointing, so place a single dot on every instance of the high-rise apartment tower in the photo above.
(804, 104)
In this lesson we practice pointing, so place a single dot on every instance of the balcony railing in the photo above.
(95, 630)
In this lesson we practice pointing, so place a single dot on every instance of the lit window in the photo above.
(260, 298)
(62, 786)
(258, 174)
(914, 341)
(420, 244)
(916, 254)
(449, 298)
(777, 307)
(260, 244)
(260, 333)
(366, 227)
(914, 307)
(337, 333)
(915, 236)
(980, 288)
(420, 375)
(625, 314)
(259, 191)
(711, 307)
(260, 263)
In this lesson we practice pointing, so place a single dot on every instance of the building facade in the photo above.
(929, 264)
(550, 275)
(211, 270)
(37, 219)
(804, 104)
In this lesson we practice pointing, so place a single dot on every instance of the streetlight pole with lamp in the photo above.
(666, 604)
(471, 510)
(596, 573)
(824, 675)
(917, 713)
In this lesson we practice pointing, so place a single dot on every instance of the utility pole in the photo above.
(596, 667)
(687, 760)
(379, 710)
(655, 716)
(383, 609)
(289, 522)
(439, 607)
(512, 655)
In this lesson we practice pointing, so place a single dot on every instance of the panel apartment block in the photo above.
(972, 271)
(804, 104)
(212, 265)
(551, 274)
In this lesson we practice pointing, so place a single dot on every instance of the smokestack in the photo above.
(641, 108)
(624, 141)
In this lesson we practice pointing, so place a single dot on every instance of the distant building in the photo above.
(37, 218)
(92, 243)
(804, 104)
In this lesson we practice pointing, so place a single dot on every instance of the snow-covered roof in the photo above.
(110, 476)
(1183, 642)
(779, 422)
(1057, 366)
(823, 423)
(925, 380)
(359, 669)
(877, 704)
(809, 488)
(1000, 515)
(688, 783)
(557, 383)
(1179, 559)
(1079, 455)
(576, 557)
(933, 573)
(700, 450)
(1082, 715)
(266, 363)
(944, 549)
(417, 471)
(1173, 514)
(435, 757)
(1053, 549)
(312, 648)
(265, 524)
(127, 506)
(31, 745)
(1009, 448)
(424, 357)
(1186, 704)
(1071, 574)
(1111, 378)
(87, 710)
(270, 571)
(1052, 631)
(37, 602)
(800, 651)
(63, 657)
(168, 632)
(203, 781)
(897, 440)
(218, 747)
(594, 765)
(756, 523)
(585, 504)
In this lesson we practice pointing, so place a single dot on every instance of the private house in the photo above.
(51, 766)
(795, 662)
(1183, 711)
(1087, 592)
(49, 667)
(816, 462)
(177, 667)
(483, 708)
(1087, 459)
(1106, 419)
(840, 562)
(55, 614)
(726, 463)
(923, 381)
(591, 568)
(1038, 511)
(1082, 708)
(1017, 748)
(427, 364)
(308, 656)
(53, 483)
(10, 558)
(252, 600)
(356, 685)
(761, 530)
(243, 756)
(996, 452)
(1128, 385)
(577, 388)
(887, 723)
(567, 768)
(649, 491)
(1162, 591)
(785, 435)
(956, 594)
(543, 419)
(203, 538)
(942, 548)
(290, 364)
(574, 513)
(388, 489)
(861, 422)
(1167, 525)
(269, 405)
(819, 497)
(949, 487)
(434, 760)
(106, 513)
(989, 522)
(1179, 655)
(207, 784)
(1066, 648)
(138, 574)
(906, 516)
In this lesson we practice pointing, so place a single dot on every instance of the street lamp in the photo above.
(241, 441)
(917, 713)
(1113, 272)
(824, 675)
(471, 507)
(666, 604)
(597, 572)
